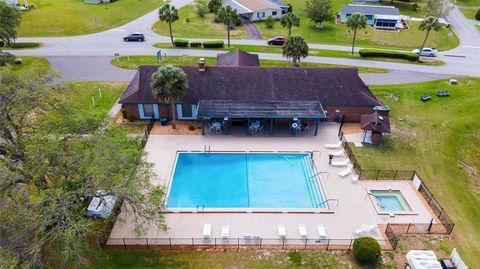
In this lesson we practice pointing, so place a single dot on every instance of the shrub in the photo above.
(366, 250)
(191, 127)
(180, 43)
(6, 58)
(477, 16)
(187, 20)
(213, 44)
(415, 7)
(217, 19)
(195, 44)
(295, 257)
(201, 9)
(388, 54)
(269, 22)
(25, 45)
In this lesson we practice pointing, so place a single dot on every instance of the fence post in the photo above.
(408, 228)
(378, 172)
(170, 243)
(350, 246)
(146, 239)
(124, 245)
(306, 243)
(328, 243)
(261, 243)
(193, 244)
(395, 176)
(283, 243)
(360, 174)
(215, 240)
(238, 243)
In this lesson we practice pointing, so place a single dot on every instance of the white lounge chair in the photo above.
(282, 232)
(355, 178)
(340, 163)
(322, 234)
(369, 229)
(334, 146)
(302, 230)
(225, 233)
(346, 171)
(337, 153)
(207, 232)
(359, 232)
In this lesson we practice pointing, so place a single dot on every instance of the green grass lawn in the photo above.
(231, 259)
(196, 26)
(311, 52)
(73, 17)
(469, 13)
(137, 60)
(467, 2)
(341, 35)
(76, 112)
(431, 138)
(30, 62)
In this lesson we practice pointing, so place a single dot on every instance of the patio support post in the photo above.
(225, 126)
(270, 131)
(248, 125)
(203, 126)
(317, 122)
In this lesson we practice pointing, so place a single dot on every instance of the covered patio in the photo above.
(257, 116)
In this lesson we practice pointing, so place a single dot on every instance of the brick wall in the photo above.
(351, 113)
(131, 110)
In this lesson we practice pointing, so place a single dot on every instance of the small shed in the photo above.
(375, 123)
(101, 205)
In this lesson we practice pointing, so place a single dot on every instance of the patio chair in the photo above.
(225, 233)
(306, 126)
(340, 163)
(346, 171)
(334, 146)
(302, 230)
(218, 130)
(207, 232)
(369, 229)
(282, 232)
(355, 179)
(337, 153)
(322, 234)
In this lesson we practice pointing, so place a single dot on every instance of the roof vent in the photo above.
(201, 65)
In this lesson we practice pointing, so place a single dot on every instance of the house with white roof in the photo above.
(379, 17)
(257, 10)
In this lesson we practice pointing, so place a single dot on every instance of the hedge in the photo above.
(213, 44)
(389, 54)
(195, 44)
(180, 43)
(477, 16)
(22, 45)
(366, 250)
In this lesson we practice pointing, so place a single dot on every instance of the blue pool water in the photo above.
(391, 201)
(250, 180)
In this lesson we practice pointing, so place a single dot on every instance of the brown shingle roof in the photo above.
(237, 58)
(329, 86)
(375, 122)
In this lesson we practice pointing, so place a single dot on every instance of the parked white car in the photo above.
(426, 52)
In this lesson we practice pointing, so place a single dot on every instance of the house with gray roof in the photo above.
(379, 17)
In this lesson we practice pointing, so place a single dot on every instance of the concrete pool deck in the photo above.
(354, 208)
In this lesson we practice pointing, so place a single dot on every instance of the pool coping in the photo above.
(410, 212)
(326, 210)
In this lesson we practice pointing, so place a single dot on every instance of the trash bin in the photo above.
(163, 121)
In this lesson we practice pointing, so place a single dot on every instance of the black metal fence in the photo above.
(146, 133)
(237, 243)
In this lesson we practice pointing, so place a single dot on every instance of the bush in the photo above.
(201, 9)
(477, 16)
(213, 44)
(269, 22)
(6, 58)
(191, 127)
(195, 44)
(366, 250)
(180, 43)
(295, 257)
(389, 54)
(25, 45)
(187, 20)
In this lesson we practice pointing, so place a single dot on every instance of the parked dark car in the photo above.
(278, 40)
(134, 37)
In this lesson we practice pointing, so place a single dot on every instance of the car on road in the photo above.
(426, 52)
(278, 40)
(134, 37)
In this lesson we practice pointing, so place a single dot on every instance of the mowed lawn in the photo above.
(340, 34)
(73, 17)
(192, 26)
(467, 2)
(132, 62)
(432, 138)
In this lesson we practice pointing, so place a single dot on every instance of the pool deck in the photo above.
(354, 208)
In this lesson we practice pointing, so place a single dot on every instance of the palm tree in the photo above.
(355, 21)
(295, 48)
(429, 24)
(289, 20)
(168, 86)
(228, 16)
(168, 14)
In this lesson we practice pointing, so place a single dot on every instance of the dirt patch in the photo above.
(351, 128)
(183, 128)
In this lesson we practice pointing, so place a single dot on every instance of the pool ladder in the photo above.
(206, 150)
(199, 206)
(326, 201)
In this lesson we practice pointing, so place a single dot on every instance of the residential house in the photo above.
(379, 17)
(257, 10)
(11, 3)
(237, 89)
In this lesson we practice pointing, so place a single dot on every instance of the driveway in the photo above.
(251, 29)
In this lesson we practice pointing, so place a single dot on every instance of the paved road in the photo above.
(92, 53)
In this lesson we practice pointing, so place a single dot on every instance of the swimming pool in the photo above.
(390, 201)
(245, 180)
